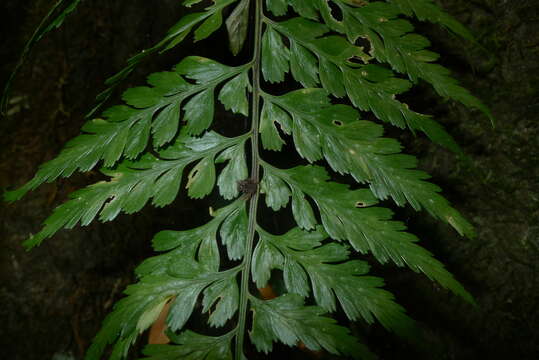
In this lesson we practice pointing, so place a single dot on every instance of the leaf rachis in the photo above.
(255, 178)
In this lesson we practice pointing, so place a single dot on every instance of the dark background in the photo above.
(53, 299)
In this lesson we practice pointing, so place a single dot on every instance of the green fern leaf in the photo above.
(405, 51)
(271, 140)
(194, 270)
(301, 256)
(223, 298)
(107, 139)
(234, 172)
(175, 243)
(133, 184)
(352, 147)
(176, 34)
(209, 26)
(287, 320)
(277, 7)
(233, 94)
(233, 229)
(303, 65)
(199, 112)
(377, 88)
(427, 10)
(237, 25)
(305, 8)
(131, 314)
(276, 191)
(201, 179)
(165, 126)
(347, 215)
(210, 269)
(275, 57)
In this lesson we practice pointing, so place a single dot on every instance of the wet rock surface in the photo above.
(54, 298)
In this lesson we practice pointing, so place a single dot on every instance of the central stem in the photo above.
(255, 177)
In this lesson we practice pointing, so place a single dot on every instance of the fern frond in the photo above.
(348, 215)
(288, 320)
(175, 242)
(133, 184)
(369, 87)
(302, 257)
(145, 152)
(322, 130)
(206, 23)
(393, 42)
(194, 271)
(427, 10)
(149, 113)
(404, 51)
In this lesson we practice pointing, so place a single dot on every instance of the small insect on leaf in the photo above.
(248, 187)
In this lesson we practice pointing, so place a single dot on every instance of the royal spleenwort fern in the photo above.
(145, 145)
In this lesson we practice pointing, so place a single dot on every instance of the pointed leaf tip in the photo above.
(32, 242)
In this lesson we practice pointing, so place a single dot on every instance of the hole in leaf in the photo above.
(360, 204)
(356, 60)
(191, 178)
(336, 11)
(364, 43)
(337, 123)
